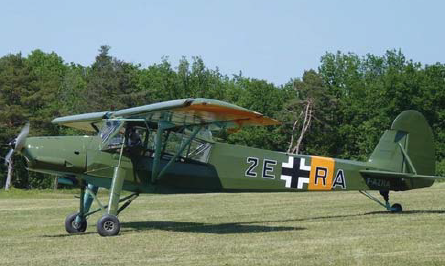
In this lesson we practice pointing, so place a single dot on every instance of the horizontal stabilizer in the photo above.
(387, 174)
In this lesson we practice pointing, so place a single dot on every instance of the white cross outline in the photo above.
(301, 180)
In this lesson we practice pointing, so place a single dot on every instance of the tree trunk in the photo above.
(56, 182)
(291, 144)
(8, 178)
(305, 126)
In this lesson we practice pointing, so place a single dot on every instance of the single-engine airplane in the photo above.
(169, 145)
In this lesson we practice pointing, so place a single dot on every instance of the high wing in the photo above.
(182, 112)
(86, 122)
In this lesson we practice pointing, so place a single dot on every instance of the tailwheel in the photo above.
(72, 226)
(108, 225)
(396, 207)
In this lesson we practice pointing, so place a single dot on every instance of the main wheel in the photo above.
(108, 225)
(72, 227)
(396, 207)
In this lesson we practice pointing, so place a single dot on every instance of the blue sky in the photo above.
(271, 40)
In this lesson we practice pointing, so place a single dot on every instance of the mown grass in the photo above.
(342, 228)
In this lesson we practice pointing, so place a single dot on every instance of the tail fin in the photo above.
(408, 147)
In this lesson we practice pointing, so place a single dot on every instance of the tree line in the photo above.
(342, 108)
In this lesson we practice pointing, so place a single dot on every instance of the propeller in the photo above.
(17, 143)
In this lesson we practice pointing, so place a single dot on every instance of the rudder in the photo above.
(411, 131)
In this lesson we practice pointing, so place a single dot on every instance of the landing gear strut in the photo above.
(77, 222)
(108, 224)
(396, 207)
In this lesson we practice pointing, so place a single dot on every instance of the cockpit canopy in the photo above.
(138, 135)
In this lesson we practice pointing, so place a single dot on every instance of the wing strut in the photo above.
(156, 173)
(180, 150)
(162, 125)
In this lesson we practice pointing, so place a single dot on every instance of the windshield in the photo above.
(112, 134)
(108, 128)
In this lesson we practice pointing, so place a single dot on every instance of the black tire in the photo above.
(108, 225)
(396, 207)
(72, 227)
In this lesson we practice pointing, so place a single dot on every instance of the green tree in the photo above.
(15, 83)
(308, 114)
(111, 83)
(262, 97)
(46, 72)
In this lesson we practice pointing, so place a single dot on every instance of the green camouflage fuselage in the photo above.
(228, 168)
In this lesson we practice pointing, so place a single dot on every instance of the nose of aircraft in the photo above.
(65, 154)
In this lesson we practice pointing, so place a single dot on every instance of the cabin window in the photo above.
(197, 149)
(114, 132)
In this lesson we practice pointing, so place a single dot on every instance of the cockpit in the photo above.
(139, 139)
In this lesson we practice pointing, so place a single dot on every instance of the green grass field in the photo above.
(342, 228)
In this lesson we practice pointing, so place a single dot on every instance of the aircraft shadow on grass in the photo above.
(361, 214)
(407, 212)
(195, 227)
(241, 227)
(246, 227)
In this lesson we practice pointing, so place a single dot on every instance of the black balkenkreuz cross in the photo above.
(295, 172)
